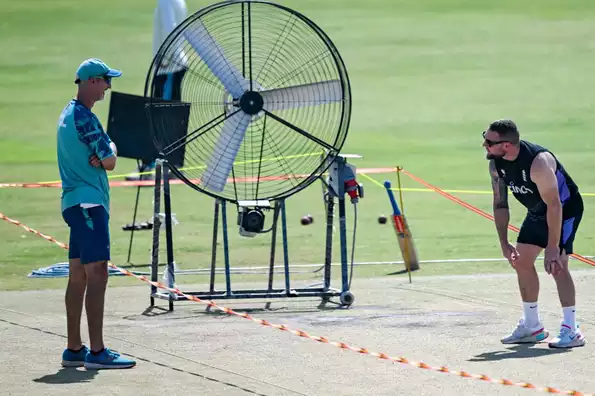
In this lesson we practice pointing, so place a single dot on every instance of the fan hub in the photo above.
(251, 102)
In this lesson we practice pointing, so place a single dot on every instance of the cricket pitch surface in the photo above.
(452, 321)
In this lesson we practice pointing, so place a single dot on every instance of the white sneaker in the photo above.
(568, 338)
(524, 334)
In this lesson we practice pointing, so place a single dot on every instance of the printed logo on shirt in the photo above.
(520, 190)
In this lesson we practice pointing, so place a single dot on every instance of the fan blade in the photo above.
(302, 95)
(226, 149)
(207, 48)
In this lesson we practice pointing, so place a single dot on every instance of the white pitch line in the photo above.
(264, 269)
(248, 270)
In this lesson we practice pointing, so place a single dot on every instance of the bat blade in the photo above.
(403, 232)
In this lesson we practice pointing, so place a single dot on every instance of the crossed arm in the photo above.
(90, 132)
(107, 163)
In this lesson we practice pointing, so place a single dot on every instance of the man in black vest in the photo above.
(554, 210)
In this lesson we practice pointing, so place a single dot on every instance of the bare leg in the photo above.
(526, 273)
(530, 330)
(94, 302)
(565, 284)
(75, 292)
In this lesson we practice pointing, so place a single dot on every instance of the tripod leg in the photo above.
(133, 224)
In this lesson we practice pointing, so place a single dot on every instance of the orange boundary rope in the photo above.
(479, 211)
(149, 183)
(324, 340)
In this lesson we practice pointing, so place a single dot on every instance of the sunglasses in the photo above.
(107, 79)
(491, 143)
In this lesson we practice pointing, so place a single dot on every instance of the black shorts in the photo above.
(534, 230)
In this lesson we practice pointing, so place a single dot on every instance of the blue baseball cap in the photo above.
(94, 67)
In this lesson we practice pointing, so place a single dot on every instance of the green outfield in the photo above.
(427, 77)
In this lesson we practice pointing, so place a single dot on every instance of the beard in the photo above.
(491, 156)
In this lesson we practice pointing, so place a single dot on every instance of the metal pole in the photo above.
(214, 247)
(272, 257)
(328, 256)
(342, 227)
(226, 249)
(169, 234)
(285, 248)
(156, 227)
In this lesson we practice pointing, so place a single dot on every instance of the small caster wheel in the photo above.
(346, 298)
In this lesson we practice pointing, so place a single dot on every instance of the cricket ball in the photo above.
(382, 219)
(305, 220)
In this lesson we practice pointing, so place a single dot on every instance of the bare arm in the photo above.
(543, 174)
(500, 205)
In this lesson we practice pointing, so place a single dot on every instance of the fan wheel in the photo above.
(269, 99)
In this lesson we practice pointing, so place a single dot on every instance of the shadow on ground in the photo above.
(521, 351)
(157, 311)
(68, 376)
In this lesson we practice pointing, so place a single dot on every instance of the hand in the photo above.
(552, 261)
(94, 161)
(510, 253)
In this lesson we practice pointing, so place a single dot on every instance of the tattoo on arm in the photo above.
(499, 188)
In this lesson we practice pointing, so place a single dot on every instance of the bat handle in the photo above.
(392, 199)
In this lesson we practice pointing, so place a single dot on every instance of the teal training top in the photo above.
(80, 135)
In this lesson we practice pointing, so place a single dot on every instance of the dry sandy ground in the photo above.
(453, 321)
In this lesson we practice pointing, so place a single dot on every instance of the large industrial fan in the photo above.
(270, 106)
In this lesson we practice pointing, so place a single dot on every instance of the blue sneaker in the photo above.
(107, 359)
(74, 359)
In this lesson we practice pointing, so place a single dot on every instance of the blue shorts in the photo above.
(89, 233)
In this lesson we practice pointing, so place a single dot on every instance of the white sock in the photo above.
(531, 314)
(570, 317)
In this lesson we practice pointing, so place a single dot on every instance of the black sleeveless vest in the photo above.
(517, 176)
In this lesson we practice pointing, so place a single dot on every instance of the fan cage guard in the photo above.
(234, 192)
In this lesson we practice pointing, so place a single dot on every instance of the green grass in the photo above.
(427, 77)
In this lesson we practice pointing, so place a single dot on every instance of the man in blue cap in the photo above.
(85, 153)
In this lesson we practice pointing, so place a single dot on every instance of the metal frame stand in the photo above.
(279, 210)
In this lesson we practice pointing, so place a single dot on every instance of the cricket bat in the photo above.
(403, 232)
